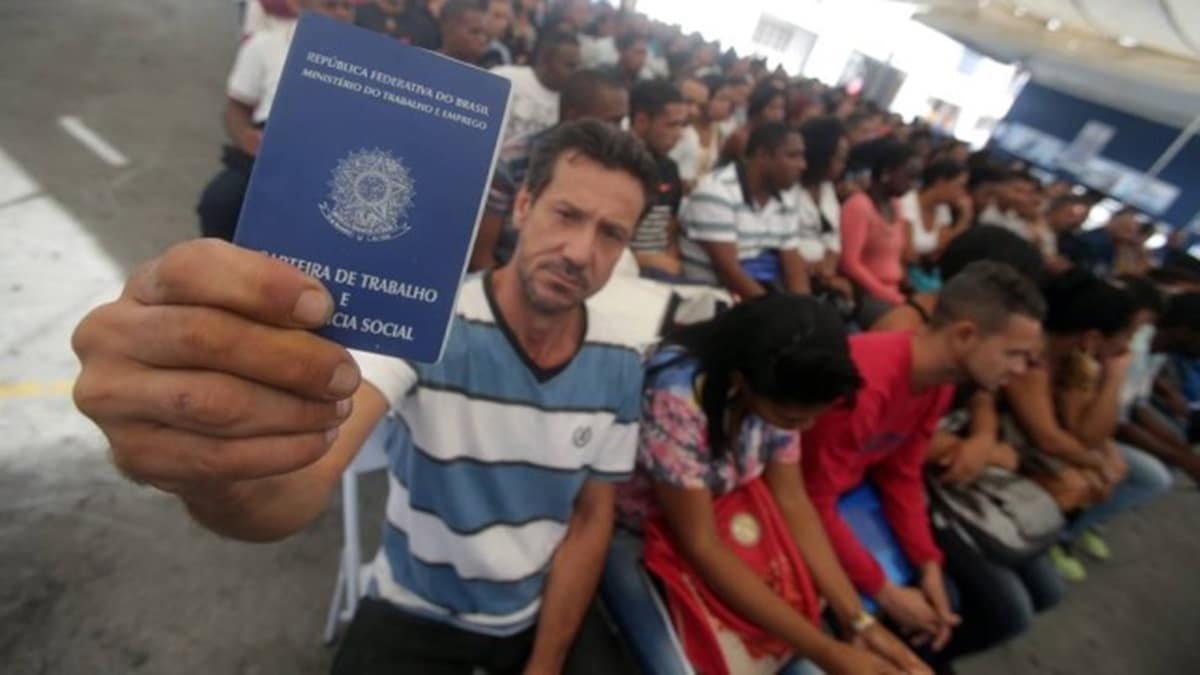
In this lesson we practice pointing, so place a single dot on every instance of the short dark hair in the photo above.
(761, 97)
(652, 96)
(989, 242)
(548, 41)
(988, 294)
(940, 170)
(821, 138)
(627, 40)
(769, 137)
(1182, 311)
(1078, 301)
(580, 90)
(597, 141)
(715, 82)
(454, 10)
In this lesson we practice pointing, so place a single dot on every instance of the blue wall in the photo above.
(1137, 143)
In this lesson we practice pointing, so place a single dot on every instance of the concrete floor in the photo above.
(101, 576)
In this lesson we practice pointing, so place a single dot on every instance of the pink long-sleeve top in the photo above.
(873, 248)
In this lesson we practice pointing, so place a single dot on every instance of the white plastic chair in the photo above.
(351, 577)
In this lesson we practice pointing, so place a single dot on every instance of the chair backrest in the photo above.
(373, 455)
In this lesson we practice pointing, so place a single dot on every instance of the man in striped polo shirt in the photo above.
(741, 222)
(501, 492)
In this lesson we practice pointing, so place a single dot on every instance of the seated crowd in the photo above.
(775, 488)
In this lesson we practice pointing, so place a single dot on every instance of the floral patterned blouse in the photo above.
(673, 442)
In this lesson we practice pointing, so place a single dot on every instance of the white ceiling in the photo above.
(1142, 56)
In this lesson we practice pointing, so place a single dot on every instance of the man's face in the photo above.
(696, 95)
(786, 165)
(990, 361)
(465, 38)
(559, 63)
(339, 10)
(574, 232)
(498, 18)
(633, 58)
(1067, 217)
(662, 131)
(1124, 228)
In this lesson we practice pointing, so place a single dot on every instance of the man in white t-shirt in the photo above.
(249, 93)
(535, 88)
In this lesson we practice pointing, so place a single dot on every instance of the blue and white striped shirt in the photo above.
(490, 457)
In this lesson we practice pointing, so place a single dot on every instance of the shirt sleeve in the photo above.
(615, 455)
(394, 378)
(902, 490)
(856, 217)
(671, 438)
(248, 77)
(709, 217)
(784, 447)
(839, 435)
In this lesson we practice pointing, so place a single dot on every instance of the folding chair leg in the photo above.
(334, 616)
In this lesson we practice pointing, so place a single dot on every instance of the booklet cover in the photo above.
(372, 177)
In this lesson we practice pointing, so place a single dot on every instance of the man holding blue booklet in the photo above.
(209, 386)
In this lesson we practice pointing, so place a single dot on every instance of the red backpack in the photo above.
(718, 641)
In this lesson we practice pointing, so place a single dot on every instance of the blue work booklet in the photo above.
(372, 177)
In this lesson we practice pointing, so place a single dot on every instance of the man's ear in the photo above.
(964, 333)
(521, 207)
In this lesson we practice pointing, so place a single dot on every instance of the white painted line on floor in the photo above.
(15, 184)
(92, 140)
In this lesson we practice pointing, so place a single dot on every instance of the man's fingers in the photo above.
(170, 459)
(218, 274)
(207, 403)
(211, 339)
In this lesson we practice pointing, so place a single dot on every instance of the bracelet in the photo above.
(863, 621)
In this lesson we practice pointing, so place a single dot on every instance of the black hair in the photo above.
(580, 90)
(715, 82)
(988, 293)
(788, 348)
(597, 141)
(627, 40)
(1182, 311)
(821, 138)
(940, 170)
(550, 40)
(1078, 301)
(1145, 293)
(768, 137)
(988, 242)
(889, 154)
(761, 97)
(454, 10)
(652, 96)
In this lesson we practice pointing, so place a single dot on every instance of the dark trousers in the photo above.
(383, 640)
(997, 603)
(221, 201)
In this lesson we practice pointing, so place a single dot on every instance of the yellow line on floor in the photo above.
(35, 388)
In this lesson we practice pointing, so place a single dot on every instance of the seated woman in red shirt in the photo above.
(874, 234)
(724, 405)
